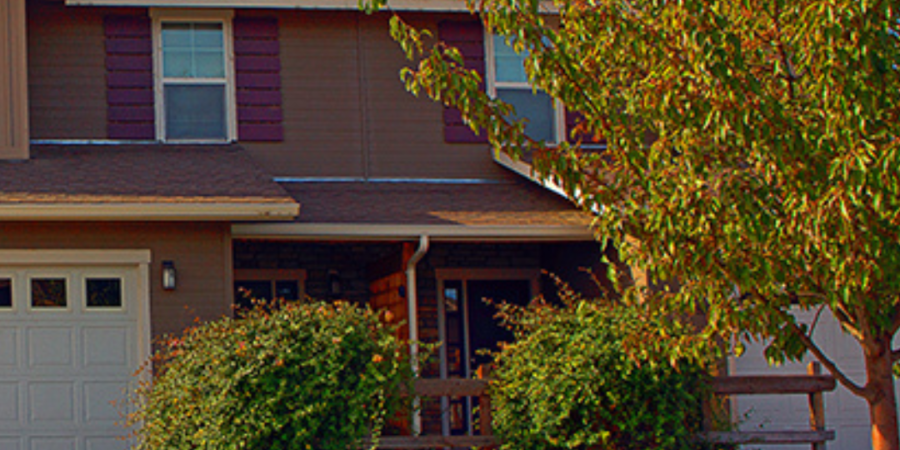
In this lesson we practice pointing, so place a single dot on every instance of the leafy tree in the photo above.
(751, 157)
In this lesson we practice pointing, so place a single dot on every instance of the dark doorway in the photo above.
(485, 330)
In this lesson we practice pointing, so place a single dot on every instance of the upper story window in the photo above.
(194, 76)
(507, 81)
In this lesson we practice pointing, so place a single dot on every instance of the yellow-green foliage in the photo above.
(567, 382)
(304, 376)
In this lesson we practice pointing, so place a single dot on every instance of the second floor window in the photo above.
(193, 80)
(508, 81)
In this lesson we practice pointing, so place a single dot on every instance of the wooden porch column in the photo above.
(13, 81)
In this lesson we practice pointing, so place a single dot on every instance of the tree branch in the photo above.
(845, 381)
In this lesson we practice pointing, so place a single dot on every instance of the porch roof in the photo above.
(512, 208)
(140, 182)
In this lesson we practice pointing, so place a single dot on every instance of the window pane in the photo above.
(176, 34)
(104, 292)
(287, 290)
(193, 50)
(508, 65)
(245, 292)
(48, 293)
(209, 64)
(195, 111)
(537, 108)
(177, 63)
(5, 293)
(208, 35)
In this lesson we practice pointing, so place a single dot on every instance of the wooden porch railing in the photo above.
(812, 385)
(452, 387)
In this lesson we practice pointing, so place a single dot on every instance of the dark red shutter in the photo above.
(468, 37)
(258, 71)
(129, 78)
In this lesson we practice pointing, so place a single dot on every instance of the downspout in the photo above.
(413, 321)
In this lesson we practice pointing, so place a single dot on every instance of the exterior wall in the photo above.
(345, 112)
(356, 263)
(67, 71)
(201, 253)
(13, 79)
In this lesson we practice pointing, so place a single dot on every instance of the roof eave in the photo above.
(149, 211)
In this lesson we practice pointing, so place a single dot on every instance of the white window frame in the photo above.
(559, 112)
(223, 16)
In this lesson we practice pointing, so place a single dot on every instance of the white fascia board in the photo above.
(69, 256)
(398, 5)
(344, 231)
(150, 211)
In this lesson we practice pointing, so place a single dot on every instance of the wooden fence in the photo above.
(813, 385)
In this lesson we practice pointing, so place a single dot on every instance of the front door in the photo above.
(470, 331)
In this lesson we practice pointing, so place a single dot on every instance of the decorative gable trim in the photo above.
(258, 80)
(129, 78)
(468, 37)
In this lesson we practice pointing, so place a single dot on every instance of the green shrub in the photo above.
(567, 383)
(309, 376)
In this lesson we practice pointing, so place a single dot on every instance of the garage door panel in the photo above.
(9, 347)
(51, 401)
(50, 346)
(106, 443)
(53, 443)
(10, 443)
(107, 346)
(9, 403)
(102, 400)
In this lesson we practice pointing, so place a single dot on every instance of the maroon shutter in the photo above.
(468, 37)
(258, 71)
(129, 78)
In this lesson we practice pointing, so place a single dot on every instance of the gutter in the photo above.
(413, 321)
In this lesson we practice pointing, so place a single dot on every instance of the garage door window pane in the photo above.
(5, 293)
(48, 293)
(104, 292)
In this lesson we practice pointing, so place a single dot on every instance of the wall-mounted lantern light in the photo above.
(168, 275)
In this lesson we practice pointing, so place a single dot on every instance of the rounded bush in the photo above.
(566, 382)
(308, 376)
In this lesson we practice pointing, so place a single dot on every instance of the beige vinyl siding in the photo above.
(407, 132)
(320, 98)
(329, 122)
(201, 253)
(66, 71)
(332, 127)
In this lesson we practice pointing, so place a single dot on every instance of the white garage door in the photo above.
(69, 347)
(845, 413)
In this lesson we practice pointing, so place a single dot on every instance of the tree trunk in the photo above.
(882, 403)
